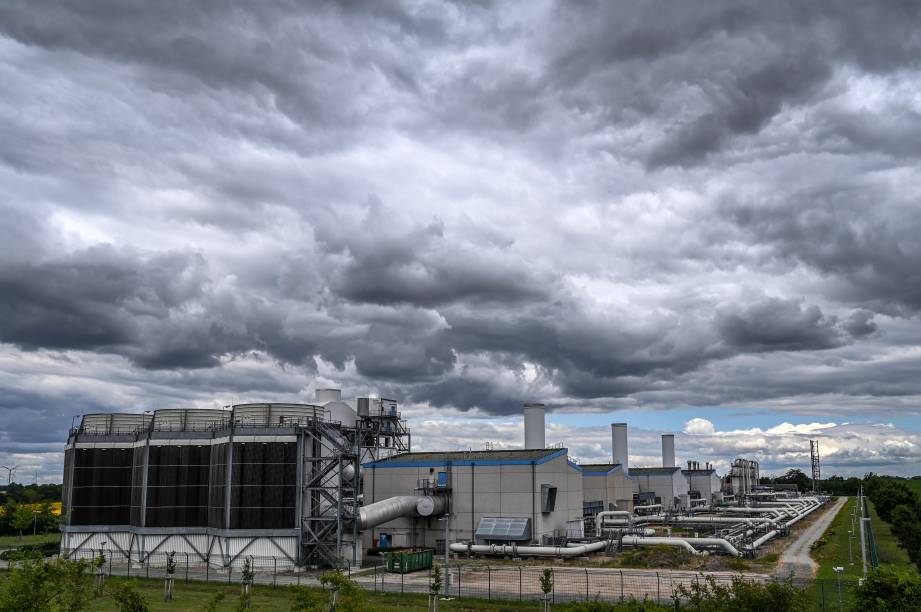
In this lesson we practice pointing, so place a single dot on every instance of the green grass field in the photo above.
(14, 541)
(834, 551)
(887, 546)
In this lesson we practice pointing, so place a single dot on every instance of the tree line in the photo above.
(28, 509)
(897, 504)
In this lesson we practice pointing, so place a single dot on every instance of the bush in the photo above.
(31, 551)
(38, 585)
(885, 590)
(660, 556)
(631, 605)
(740, 596)
(127, 598)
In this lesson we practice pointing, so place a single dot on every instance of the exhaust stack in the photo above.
(668, 450)
(619, 444)
(534, 437)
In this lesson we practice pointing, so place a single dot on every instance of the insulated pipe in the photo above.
(745, 510)
(637, 541)
(528, 551)
(763, 539)
(725, 545)
(599, 519)
(391, 508)
(711, 520)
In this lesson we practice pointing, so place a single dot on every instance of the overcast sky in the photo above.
(694, 217)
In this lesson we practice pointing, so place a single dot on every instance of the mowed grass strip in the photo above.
(887, 546)
(832, 548)
(12, 541)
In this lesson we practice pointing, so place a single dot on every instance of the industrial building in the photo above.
(256, 479)
(319, 485)
(743, 477)
(704, 485)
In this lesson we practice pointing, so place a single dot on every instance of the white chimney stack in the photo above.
(619, 444)
(324, 396)
(668, 450)
(534, 437)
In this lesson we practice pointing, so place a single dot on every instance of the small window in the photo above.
(547, 498)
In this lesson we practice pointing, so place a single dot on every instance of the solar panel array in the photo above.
(504, 529)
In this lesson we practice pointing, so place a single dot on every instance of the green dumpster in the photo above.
(410, 560)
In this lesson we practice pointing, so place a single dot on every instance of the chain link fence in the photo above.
(469, 580)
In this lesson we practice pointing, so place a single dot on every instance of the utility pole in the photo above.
(863, 534)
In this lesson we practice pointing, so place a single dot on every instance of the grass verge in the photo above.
(15, 542)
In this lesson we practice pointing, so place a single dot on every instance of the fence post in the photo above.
(402, 582)
(208, 569)
(586, 584)
(658, 590)
(488, 584)
(622, 583)
(229, 572)
(187, 567)
(375, 579)
(552, 585)
(110, 563)
(129, 567)
(822, 583)
(519, 583)
(147, 566)
(274, 571)
(458, 578)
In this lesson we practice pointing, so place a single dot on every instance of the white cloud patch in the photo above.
(699, 426)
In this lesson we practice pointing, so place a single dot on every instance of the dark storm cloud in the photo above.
(870, 251)
(786, 325)
(462, 205)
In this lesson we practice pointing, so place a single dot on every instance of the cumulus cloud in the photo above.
(462, 206)
(698, 425)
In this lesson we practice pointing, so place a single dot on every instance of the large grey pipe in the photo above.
(528, 551)
(391, 508)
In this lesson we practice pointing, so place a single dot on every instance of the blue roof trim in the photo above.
(575, 466)
(461, 462)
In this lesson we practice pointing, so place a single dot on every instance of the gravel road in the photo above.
(795, 559)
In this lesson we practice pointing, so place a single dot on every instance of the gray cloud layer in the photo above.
(461, 205)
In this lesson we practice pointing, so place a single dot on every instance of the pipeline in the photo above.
(528, 551)
(391, 508)
(681, 542)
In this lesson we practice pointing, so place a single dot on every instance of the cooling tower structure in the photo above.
(267, 480)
